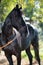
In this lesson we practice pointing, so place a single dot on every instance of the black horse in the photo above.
(28, 35)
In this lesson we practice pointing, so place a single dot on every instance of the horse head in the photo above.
(18, 10)
(15, 17)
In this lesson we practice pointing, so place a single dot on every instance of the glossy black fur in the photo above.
(15, 18)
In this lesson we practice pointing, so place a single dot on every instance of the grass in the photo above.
(24, 55)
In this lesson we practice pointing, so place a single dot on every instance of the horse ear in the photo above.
(17, 6)
(20, 7)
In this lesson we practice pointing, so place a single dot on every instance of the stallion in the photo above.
(28, 35)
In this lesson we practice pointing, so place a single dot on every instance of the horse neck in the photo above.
(20, 24)
(22, 28)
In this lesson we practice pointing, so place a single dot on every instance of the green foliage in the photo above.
(5, 7)
(30, 9)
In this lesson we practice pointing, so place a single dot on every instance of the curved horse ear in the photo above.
(20, 7)
(17, 6)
